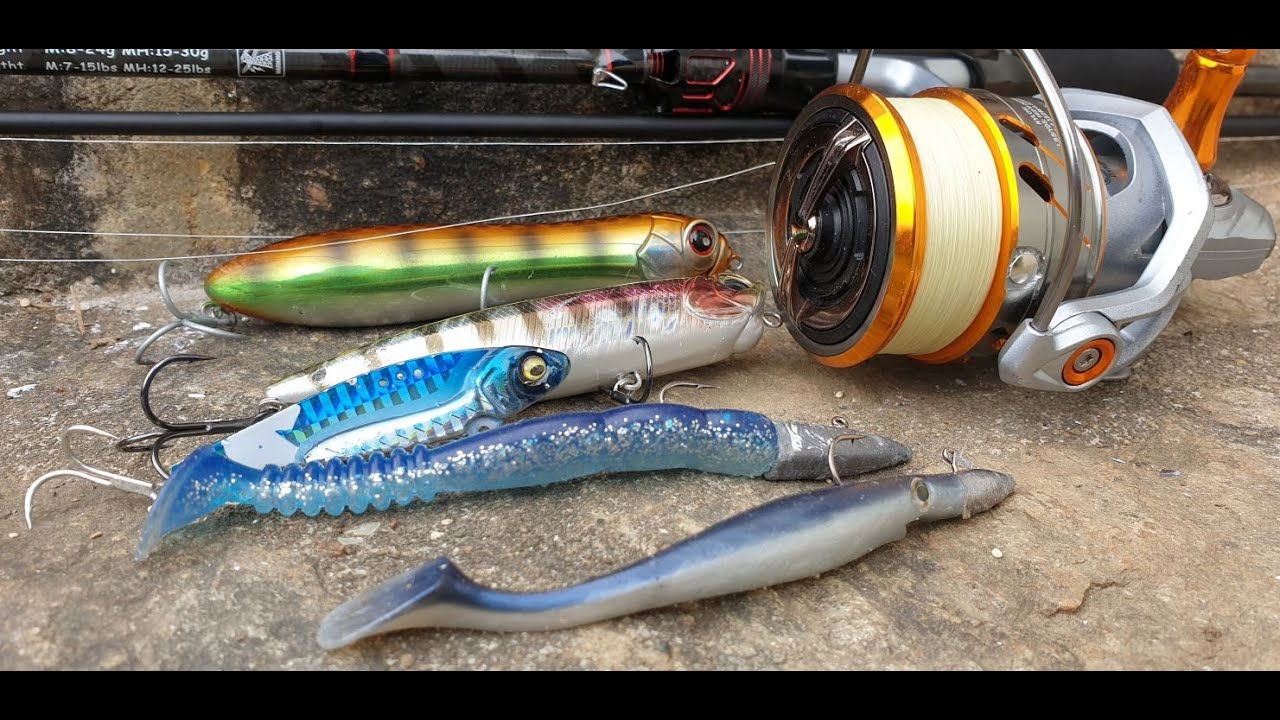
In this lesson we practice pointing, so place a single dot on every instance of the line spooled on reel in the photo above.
(1057, 233)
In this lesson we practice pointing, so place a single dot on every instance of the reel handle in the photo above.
(1199, 99)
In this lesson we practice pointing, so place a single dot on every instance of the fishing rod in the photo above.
(741, 93)
(696, 81)
(381, 124)
(391, 124)
(1056, 232)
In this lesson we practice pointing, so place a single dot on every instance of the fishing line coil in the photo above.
(1057, 233)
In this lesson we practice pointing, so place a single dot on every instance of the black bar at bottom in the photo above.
(380, 123)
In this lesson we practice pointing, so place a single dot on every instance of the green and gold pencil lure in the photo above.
(406, 273)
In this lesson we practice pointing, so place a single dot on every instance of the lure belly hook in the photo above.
(788, 539)
(540, 451)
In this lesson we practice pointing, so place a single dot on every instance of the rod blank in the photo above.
(383, 123)
(442, 124)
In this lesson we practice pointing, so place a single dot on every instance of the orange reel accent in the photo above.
(1106, 353)
(1198, 101)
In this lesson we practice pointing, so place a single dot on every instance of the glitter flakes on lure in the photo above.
(540, 451)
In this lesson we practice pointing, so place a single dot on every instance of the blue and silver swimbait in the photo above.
(430, 400)
(540, 451)
(788, 539)
(424, 401)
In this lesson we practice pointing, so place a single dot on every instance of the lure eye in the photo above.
(533, 369)
(702, 239)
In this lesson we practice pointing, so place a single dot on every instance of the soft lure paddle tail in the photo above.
(787, 539)
(415, 404)
(405, 273)
(539, 451)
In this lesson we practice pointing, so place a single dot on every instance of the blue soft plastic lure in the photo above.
(794, 537)
(540, 451)
(430, 400)
(424, 401)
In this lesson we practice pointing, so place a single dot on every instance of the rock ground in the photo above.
(1143, 533)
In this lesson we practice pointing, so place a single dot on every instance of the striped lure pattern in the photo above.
(428, 400)
(434, 431)
(428, 381)
(688, 323)
(414, 273)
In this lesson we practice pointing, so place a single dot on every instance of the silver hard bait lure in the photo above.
(787, 539)
(687, 323)
(534, 452)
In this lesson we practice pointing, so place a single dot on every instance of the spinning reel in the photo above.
(1057, 233)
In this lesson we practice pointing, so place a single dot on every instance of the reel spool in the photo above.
(1056, 232)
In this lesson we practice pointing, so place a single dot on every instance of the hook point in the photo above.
(85, 471)
(662, 394)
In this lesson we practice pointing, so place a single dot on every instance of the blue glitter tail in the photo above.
(195, 489)
(539, 451)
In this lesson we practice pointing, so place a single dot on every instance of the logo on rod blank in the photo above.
(261, 63)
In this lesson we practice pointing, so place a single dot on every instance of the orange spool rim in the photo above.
(907, 258)
(1107, 350)
(1007, 178)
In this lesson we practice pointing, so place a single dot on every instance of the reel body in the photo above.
(944, 227)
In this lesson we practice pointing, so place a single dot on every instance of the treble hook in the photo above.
(153, 441)
(211, 319)
(86, 471)
(631, 382)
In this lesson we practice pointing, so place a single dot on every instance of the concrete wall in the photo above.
(270, 190)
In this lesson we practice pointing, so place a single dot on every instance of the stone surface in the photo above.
(1106, 563)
